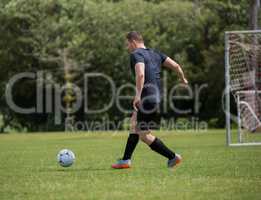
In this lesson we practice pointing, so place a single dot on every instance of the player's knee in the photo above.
(143, 135)
(133, 130)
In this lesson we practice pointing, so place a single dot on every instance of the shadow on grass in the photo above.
(95, 169)
(71, 169)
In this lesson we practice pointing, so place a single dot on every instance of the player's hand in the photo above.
(136, 103)
(184, 81)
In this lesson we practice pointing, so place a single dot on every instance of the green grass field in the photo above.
(210, 170)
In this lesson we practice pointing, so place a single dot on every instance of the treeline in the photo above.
(36, 34)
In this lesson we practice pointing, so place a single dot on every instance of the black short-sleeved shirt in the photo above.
(153, 60)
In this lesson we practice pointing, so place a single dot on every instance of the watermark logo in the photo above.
(50, 97)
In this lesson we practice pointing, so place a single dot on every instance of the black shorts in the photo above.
(148, 116)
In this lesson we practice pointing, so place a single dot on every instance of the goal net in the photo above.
(243, 83)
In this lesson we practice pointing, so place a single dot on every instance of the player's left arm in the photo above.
(171, 64)
(140, 77)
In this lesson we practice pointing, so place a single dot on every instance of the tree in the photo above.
(34, 32)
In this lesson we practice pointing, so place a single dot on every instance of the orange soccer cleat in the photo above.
(122, 164)
(175, 161)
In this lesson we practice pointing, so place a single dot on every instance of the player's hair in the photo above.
(134, 35)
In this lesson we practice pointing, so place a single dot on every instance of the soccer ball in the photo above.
(65, 157)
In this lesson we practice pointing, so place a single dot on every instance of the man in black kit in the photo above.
(146, 65)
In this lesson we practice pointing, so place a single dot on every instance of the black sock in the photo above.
(158, 146)
(132, 142)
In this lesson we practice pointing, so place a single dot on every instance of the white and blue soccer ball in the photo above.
(65, 157)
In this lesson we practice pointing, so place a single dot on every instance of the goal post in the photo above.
(243, 87)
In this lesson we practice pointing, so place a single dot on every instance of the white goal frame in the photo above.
(227, 97)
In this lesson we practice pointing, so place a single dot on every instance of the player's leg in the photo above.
(158, 146)
(133, 138)
(148, 118)
(131, 144)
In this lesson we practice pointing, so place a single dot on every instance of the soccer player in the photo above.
(146, 65)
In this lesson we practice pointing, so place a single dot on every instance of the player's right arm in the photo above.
(171, 64)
